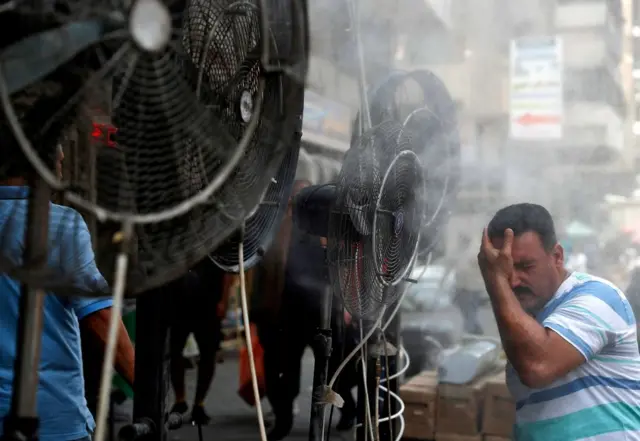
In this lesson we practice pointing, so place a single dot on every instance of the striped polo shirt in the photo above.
(600, 400)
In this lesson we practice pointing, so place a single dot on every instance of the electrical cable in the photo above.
(395, 415)
(247, 333)
(106, 379)
(355, 350)
(401, 371)
(386, 375)
(363, 340)
(343, 348)
(363, 365)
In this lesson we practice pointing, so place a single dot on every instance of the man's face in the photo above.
(537, 272)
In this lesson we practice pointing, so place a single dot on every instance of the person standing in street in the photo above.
(196, 298)
(570, 338)
(469, 287)
(293, 279)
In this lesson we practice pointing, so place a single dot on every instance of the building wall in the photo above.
(592, 33)
(334, 79)
(498, 170)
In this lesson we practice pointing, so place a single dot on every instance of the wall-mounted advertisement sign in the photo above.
(536, 89)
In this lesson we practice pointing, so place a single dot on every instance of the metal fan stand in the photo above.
(322, 347)
(380, 354)
(22, 422)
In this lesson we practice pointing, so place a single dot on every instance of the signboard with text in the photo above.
(536, 106)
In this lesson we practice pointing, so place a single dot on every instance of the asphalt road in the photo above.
(233, 420)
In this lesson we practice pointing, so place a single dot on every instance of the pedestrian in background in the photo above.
(469, 293)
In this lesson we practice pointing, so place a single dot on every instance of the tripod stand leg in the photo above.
(22, 421)
(322, 353)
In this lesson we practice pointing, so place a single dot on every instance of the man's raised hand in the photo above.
(496, 262)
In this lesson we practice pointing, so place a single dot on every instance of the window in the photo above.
(594, 85)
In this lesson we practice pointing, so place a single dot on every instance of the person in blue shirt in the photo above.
(44, 112)
(62, 407)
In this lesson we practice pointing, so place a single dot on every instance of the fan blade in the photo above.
(37, 56)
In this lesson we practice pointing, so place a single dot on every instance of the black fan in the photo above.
(422, 103)
(376, 220)
(261, 226)
(206, 104)
(374, 216)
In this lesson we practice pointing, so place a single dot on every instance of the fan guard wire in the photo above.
(370, 206)
(398, 219)
(431, 129)
(260, 226)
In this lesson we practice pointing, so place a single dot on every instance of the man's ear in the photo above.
(558, 255)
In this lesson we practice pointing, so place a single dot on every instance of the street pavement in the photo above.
(233, 420)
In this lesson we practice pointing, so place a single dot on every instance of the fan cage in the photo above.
(380, 178)
(182, 231)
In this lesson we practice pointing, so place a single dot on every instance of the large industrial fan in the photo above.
(206, 98)
(395, 180)
(205, 103)
(421, 101)
(260, 227)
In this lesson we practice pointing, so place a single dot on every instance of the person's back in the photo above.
(62, 407)
(600, 399)
(306, 273)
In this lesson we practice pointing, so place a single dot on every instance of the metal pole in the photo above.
(389, 430)
(322, 345)
(363, 431)
(22, 421)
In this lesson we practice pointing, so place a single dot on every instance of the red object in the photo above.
(246, 385)
(104, 133)
(529, 119)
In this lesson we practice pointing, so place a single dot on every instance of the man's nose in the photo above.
(516, 281)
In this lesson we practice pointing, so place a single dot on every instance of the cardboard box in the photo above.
(495, 438)
(456, 437)
(459, 408)
(499, 408)
(419, 396)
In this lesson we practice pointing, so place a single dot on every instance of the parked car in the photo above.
(423, 337)
(433, 290)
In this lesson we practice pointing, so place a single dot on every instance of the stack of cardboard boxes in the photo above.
(480, 411)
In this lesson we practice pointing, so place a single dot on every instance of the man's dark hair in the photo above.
(523, 218)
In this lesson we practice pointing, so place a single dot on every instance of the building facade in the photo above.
(594, 154)
(333, 93)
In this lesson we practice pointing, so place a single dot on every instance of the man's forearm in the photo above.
(125, 355)
(523, 338)
(98, 326)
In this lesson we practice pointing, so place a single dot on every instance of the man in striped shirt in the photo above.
(570, 338)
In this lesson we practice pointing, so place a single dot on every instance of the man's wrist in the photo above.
(495, 282)
(500, 292)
